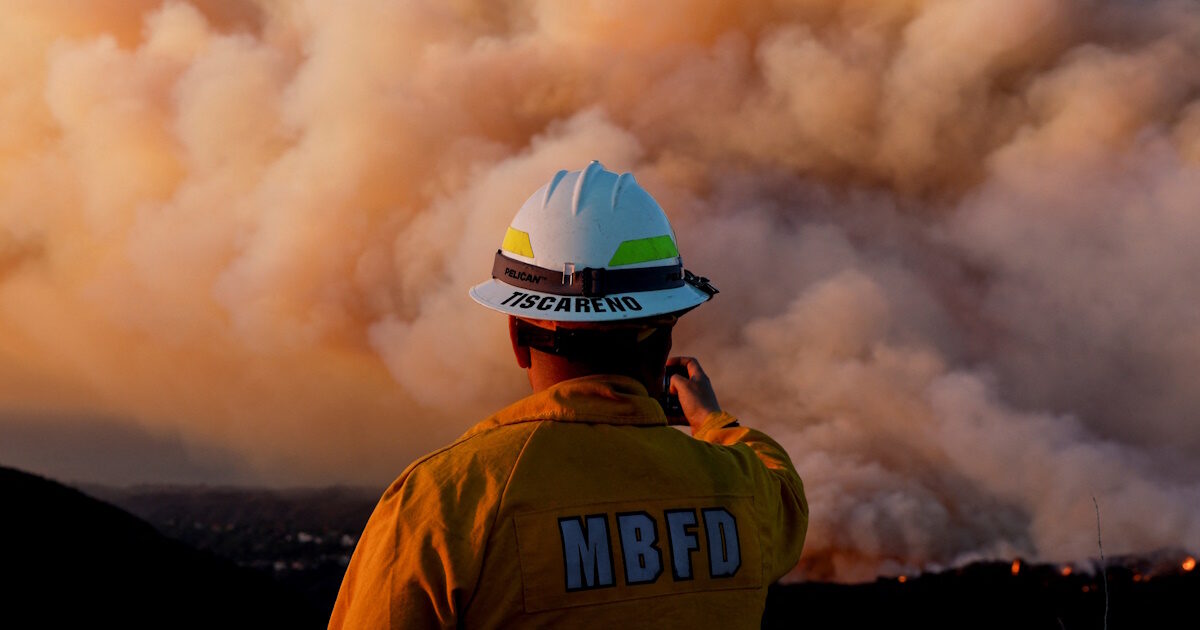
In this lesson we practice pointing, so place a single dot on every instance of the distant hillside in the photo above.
(69, 560)
(303, 538)
(343, 509)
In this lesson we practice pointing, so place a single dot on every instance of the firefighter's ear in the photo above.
(519, 351)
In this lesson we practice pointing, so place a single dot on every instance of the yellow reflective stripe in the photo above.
(517, 242)
(644, 250)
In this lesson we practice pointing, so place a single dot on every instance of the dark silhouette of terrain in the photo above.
(70, 561)
(1141, 594)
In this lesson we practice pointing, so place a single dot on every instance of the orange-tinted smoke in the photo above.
(955, 239)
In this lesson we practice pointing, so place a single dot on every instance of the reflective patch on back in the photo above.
(609, 552)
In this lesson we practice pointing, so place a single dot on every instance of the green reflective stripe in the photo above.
(517, 242)
(644, 250)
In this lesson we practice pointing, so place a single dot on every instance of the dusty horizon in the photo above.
(957, 243)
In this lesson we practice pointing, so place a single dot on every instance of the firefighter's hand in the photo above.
(695, 392)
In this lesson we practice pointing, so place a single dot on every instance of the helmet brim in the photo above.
(520, 302)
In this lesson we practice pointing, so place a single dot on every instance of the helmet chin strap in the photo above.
(581, 341)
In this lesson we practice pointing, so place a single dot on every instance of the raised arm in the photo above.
(778, 488)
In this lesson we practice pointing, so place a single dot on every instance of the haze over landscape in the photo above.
(957, 243)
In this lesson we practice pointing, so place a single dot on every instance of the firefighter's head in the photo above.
(557, 351)
(590, 274)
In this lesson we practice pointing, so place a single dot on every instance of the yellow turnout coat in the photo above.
(579, 507)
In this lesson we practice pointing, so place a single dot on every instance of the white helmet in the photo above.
(590, 246)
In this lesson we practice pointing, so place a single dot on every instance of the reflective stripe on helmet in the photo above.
(644, 250)
(517, 242)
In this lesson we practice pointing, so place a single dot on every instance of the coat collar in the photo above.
(597, 399)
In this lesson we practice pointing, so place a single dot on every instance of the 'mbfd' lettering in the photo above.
(643, 560)
(724, 554)
(681, 531)
(587, 557)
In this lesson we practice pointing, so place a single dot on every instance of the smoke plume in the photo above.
(957, 241)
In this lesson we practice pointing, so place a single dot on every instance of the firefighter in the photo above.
(579, 506)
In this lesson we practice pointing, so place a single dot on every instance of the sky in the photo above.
(957, 242)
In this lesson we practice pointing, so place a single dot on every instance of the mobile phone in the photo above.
(669, 401)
